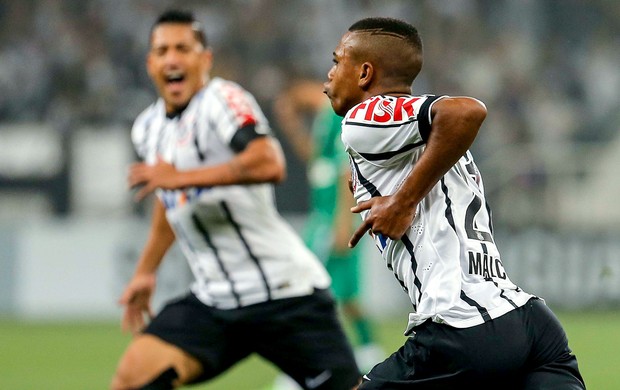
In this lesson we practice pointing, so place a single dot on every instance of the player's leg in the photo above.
(303, 337)
(554, 367)
(150, 361)
(192, 339)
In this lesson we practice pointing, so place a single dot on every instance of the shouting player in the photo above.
(421, 198)
(209, 155)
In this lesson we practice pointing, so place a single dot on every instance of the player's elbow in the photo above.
(474, 112)
(277, 171)
(270, 173)
(277, 163)
(271, 167)
(279, 177)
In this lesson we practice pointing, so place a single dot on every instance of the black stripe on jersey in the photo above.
(388, 263)
(501, 294)
(247, 246)
(201, 155)
(414, 265)
(390, 154)
(424, 118)
(243, 137)
(379, 126)
(448, 212)
(205, 234)
(363, 181)
(490, 213)
(483, 312)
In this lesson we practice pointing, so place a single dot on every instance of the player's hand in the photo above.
(150, 177)
(384, 217)
(137, 301)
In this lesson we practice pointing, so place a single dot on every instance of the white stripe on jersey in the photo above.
(240, 249)
(447, 262)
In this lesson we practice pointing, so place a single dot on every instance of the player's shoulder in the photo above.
(224, 92)
(221, 85)
(149, 114)
(386, 110)
(145, 119)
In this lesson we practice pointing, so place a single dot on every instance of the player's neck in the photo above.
(396, 93)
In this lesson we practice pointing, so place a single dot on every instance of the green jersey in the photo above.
(328, 160)
(324, 175)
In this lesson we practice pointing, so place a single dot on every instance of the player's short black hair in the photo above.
(392, 26)
(183, 17)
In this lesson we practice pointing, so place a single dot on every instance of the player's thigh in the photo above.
(554, 365)
(306, 340)
(210, 335)
(561, 374)
(147, 357)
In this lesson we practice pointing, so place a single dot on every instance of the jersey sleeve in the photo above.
(239, 120)
(424, 116)
(244, 136)
(384, 128)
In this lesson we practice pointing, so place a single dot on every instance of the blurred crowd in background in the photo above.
(548, 70)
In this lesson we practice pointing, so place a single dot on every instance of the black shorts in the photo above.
(302, 336)
(523, 349)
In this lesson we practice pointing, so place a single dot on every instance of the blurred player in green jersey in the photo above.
(330, 221)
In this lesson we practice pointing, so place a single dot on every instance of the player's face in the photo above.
(342, 86)
(177, 63)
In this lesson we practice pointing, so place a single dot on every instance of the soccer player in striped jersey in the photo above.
(422, 200)
(210, 157)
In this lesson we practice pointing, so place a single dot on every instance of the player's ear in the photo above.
(207, 60)
(149, 65)
(365, 76)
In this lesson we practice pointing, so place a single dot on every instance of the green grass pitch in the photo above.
(82, 356)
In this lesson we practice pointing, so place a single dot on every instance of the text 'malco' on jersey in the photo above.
(447, 262)
(240, 249)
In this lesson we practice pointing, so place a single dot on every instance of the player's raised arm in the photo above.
(455, 124)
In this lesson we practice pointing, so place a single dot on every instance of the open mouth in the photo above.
(174, 78)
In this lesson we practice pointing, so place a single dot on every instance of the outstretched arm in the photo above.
(261, 161)
(456, 122)
(137, 295)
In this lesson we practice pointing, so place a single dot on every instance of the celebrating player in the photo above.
(421, 198)
(209, 155)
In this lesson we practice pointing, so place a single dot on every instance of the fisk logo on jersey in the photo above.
(384, 109)
(239, 105)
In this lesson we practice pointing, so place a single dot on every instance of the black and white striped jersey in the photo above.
(240, 249)
(447, 262)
